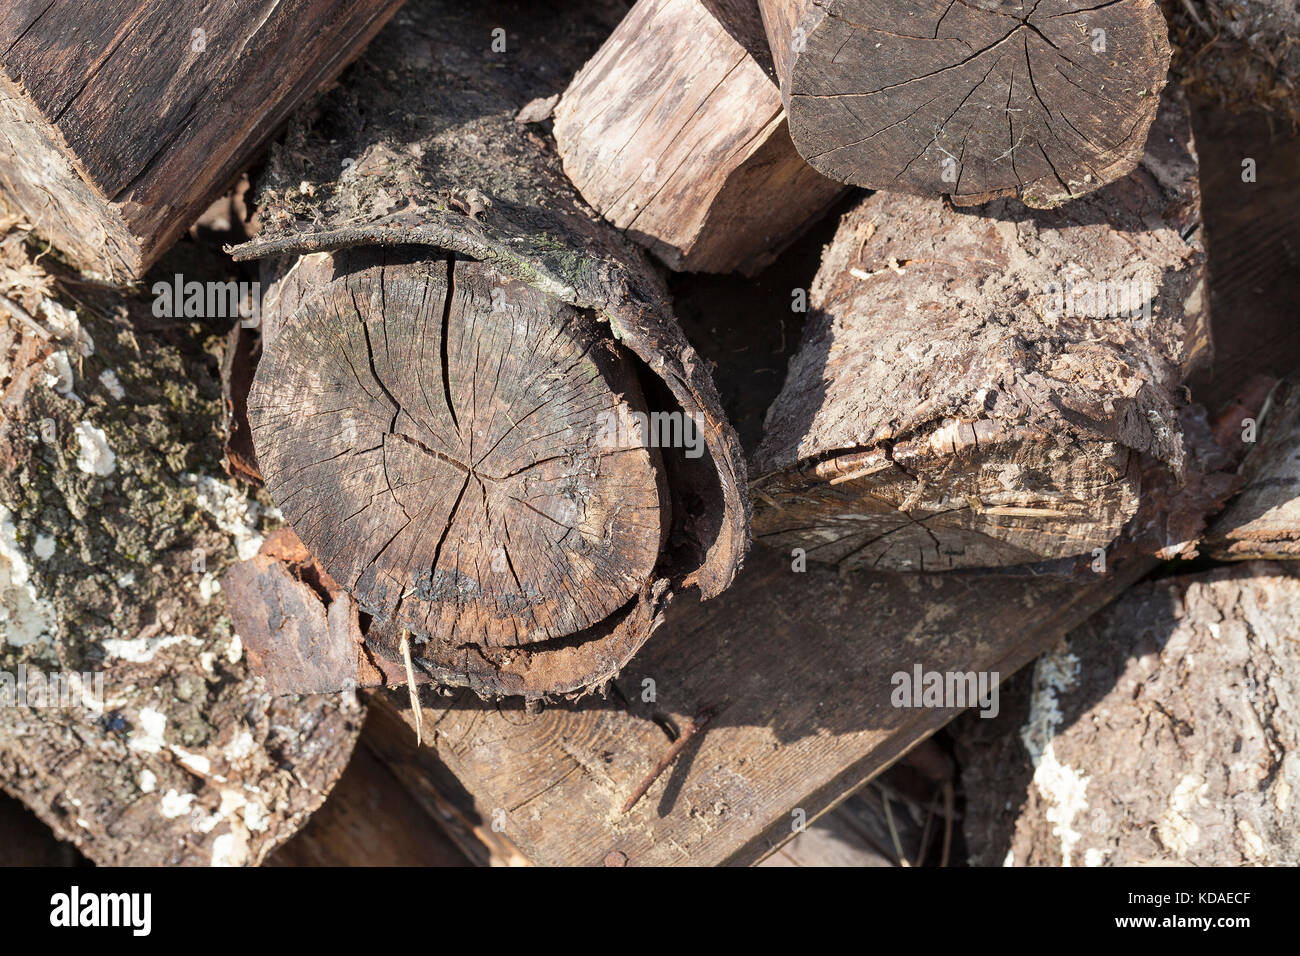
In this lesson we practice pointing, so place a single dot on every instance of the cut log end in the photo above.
(1046, 101)
(460, 451)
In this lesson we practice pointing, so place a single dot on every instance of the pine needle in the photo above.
(416, 711)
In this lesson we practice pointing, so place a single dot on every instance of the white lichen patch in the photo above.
(234, 512)
(94, 457)
(112, 384)
(43, 549)
(142, 650)
(1177, 832)
(1062, 787)
(148, 781)
(148, 735)
(25, 618)
(58, 374)
(173, 804)
(65, 325)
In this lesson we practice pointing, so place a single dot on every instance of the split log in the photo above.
(119, 125)
(463, 426)
(115, 527)
(975, 100)
(1264, 521)
(675, 133)
(976, 391)
(1162, 732)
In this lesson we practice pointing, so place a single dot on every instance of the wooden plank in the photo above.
(797, 666)
(1264, 520)
(121, 120)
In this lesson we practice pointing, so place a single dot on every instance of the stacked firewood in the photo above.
(461, 380)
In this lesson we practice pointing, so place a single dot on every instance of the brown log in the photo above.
(675, 133)
(1162, 732)
(449, 425)
(973, 391)
(120, 123)
(1047, 101)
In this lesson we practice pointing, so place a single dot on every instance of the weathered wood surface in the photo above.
(1264, 520)
(379, 163)
(978, 391)
(1047, 101)
(1163, 732)
(792, 732)
(120, 122)
(675, 133)
(115, 526)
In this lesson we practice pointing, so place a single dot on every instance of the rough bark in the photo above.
(974, 100)
(120, 122)
(1162, 732)
(675, 133)
(462, 186)
(115, 526)
(980, 391)
(1264, 521)
(1239, 56)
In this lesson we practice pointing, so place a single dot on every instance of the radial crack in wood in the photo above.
(447, 442)
(977, 99)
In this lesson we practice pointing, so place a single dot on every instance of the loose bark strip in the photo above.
(1264, 521)
(1162, 732)
(119, 123)
(1046, 101)
(429, 417)
(973, 392)
(676, 134)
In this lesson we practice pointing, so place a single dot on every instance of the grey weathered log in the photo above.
(120, 122)
(674, 131)
(1047, 101)
(975, 391)
(458, 184)
(1162, 732)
